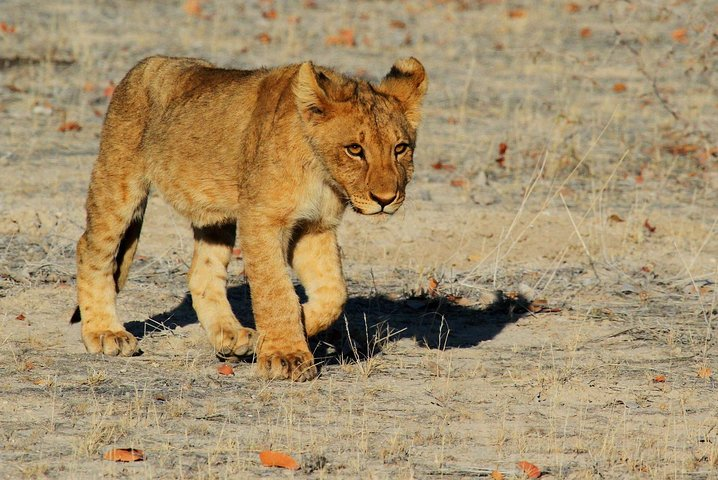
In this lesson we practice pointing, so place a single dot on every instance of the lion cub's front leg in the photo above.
(316, 260)
(282, 350)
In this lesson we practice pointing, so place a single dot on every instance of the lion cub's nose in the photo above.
(383, 200)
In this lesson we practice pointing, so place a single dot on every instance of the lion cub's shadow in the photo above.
(369, 323)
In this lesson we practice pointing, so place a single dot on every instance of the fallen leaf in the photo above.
(649, 227)
(225, 369)
(496, 475)
(29, 365)
(433, 285)
(683, 149)
(704, 372)
(7, 28)
(109, 89)
(458, 182)
(619, 87)
(270, 14)
(193, 8)
(615, 218)
(585, 32)
(20, 317)
(69, 126)
(648, 268)
(531, 470)
(264, 38)
(460, 301)
(88, 87)
(659, 379)
(124, 455)
(440, 165)
(397, 24)
(680, 35)
(573, 7)
(517, 13)
(270, 458)
(502, 148)
(345, 37)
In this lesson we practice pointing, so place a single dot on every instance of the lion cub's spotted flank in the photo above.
(276, 153)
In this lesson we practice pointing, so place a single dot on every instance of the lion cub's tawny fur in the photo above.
(277, 153)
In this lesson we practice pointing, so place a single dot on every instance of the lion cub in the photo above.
(277, 153)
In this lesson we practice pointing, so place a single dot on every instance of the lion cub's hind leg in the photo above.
(104, 253)
(208, 285)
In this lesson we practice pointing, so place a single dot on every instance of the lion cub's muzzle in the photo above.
(377, 203)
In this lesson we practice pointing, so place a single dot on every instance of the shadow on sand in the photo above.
(369, 323)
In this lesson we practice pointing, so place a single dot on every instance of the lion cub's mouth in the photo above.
(376, 210)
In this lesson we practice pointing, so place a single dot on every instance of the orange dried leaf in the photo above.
(615, 218)
(619, 87)
(704, 372)
(7, 28)
(585, 32)
(682, 149)
(659, 379)
(264, 38)
(397, 24)
(270, 14)
(517, 13)
(502, 148)
(440, 165)
(458, 182)
(680, 35)
(69, 127)
(124, 455)
(649, 227)
(270, 458)
(20, 317)
(496, 475)
(193, 8)
(433, 285)
(531, 470)
(109, 89)
(345, 37)
(573, 7)
(237, 252)
(88, 87)
(225, 369)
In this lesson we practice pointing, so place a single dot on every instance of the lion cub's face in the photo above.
(365, 134)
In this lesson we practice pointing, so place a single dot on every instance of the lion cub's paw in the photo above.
(297, 366)
(233, 341)
(112, 343)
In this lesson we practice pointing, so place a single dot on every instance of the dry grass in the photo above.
(412, 385)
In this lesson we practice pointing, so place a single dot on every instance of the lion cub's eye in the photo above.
(400, 148)
(355, 150)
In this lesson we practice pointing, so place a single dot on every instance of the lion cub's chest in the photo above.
(316, 202)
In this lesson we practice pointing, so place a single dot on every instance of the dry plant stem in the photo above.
(473, 271)
(580, 238)
(590, 208)
(644, 72)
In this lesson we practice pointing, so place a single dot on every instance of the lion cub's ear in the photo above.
(316, 91)
(407, 81)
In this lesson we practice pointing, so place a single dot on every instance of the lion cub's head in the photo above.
(364, 133)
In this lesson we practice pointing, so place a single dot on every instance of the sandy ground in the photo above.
(573, 325)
